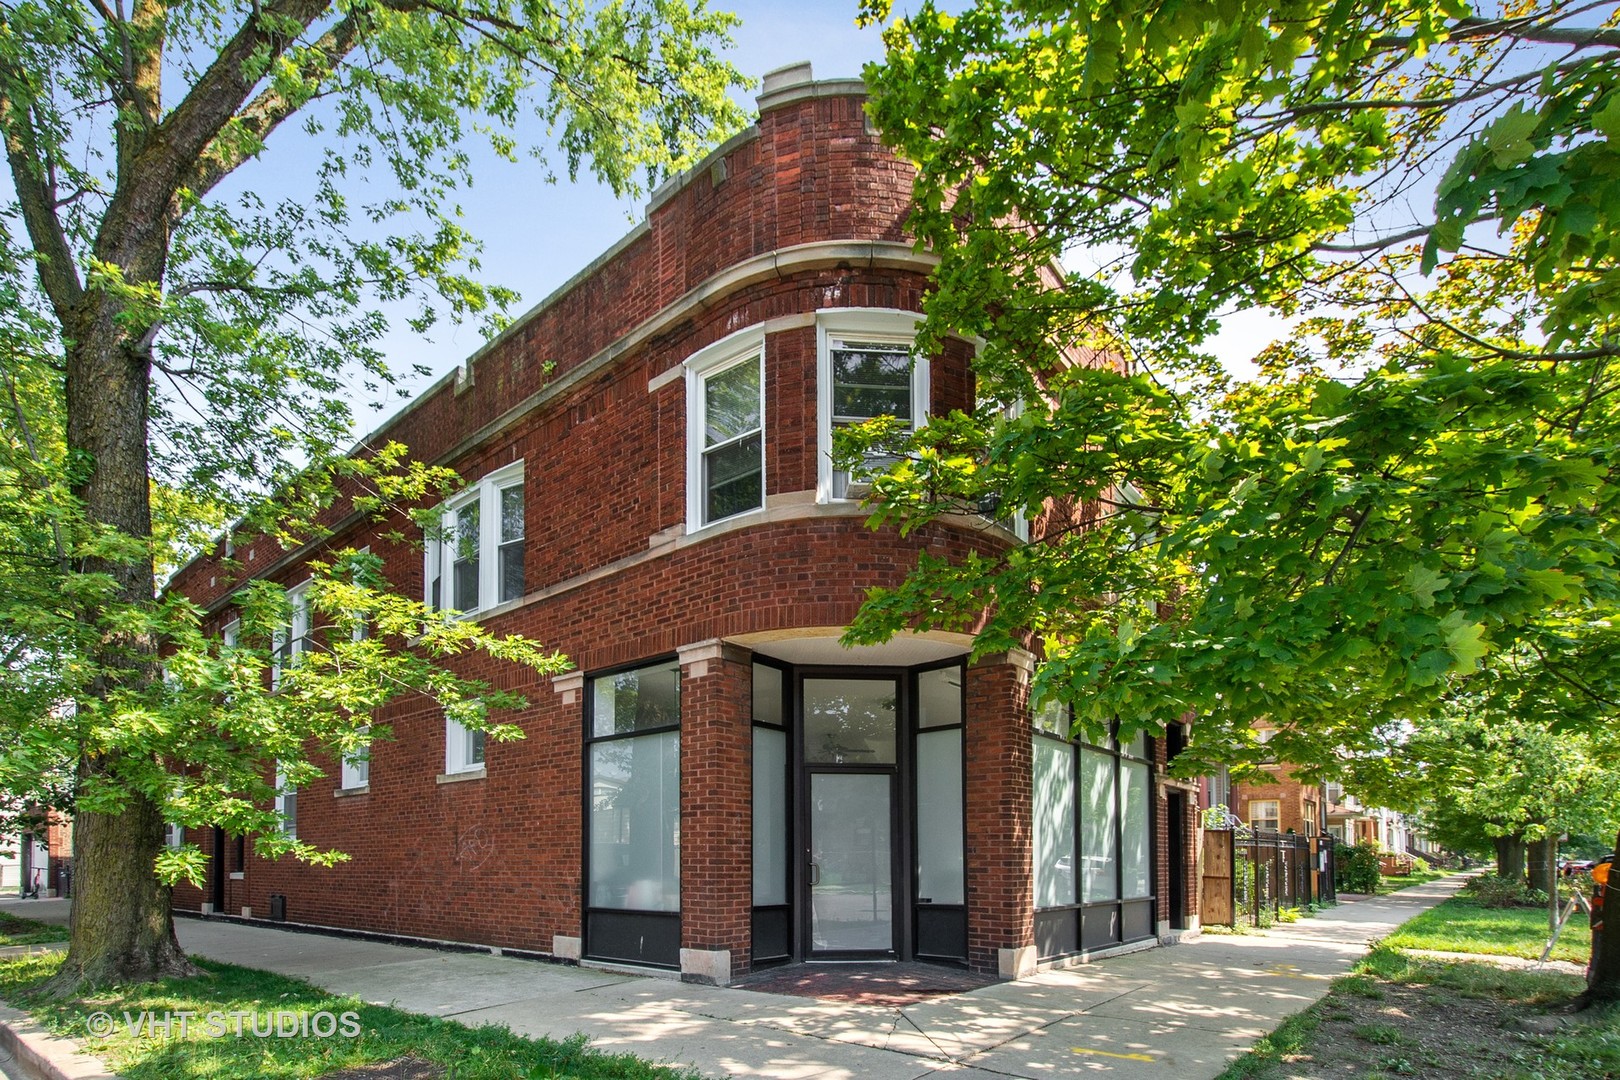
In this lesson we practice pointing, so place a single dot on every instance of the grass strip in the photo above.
(1462, 925)
(19, 931)
(1397, 882)
(491, 1052)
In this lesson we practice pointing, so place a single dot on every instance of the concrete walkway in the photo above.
(1176, 1013)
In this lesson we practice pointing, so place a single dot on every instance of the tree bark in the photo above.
(1510, 857)
(1538, 855)
(122, 926)
(1603, 973)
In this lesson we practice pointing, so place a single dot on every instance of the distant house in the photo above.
(37, 862)
(720, 785)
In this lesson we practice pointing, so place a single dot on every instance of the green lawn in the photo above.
(15, 931)
(1388, 1018)
(1406, 881)
(1461, 925)
(484, 1053)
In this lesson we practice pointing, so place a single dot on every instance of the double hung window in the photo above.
(865, 369)
(286, 803)
(725, 386)
(463, 748)
(289, 641)
(475, 556)
(1265, 815)
(357, 766)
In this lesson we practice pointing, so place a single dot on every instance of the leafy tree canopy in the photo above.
(179, 350)
(1421, 477)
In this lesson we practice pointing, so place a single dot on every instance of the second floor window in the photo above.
(292, 639)
(475, 559)
(725, 392)
(865, 369)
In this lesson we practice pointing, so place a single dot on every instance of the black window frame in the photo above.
(601, 928)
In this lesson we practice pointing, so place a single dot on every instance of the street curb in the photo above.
(45, 1056)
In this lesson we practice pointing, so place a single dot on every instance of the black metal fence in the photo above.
(1272, 871)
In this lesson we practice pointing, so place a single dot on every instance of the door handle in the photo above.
(815, 874)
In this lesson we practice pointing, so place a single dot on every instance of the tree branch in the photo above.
(269, 109)
(56, 266)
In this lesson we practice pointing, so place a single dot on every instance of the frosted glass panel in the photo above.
(1054, 823)
(849, 721)
(1133, 854)
(1099, 823)
(636, 823)
(770, 816)
(852, 891)
(939, 817)
(939, 697)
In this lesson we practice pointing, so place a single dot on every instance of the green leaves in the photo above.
(1421, 478)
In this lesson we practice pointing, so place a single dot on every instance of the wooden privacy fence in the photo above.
(1250, 874)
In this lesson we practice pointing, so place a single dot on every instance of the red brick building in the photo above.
(719, 785)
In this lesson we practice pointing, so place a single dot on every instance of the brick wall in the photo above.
(717, 803)
(1000, 802)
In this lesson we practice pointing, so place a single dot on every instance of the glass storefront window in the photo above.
(1134, 796)
(1054, 823)
(939, 698)
(939, 817)
(636, 823)
(638, 700)
(849, 721)
(1099, 824)
(770, 814)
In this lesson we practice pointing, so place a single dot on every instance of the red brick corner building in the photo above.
(719, 786)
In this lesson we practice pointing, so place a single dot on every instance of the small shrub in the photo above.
(1495, 891)
(1420, 865)
(1355, 869)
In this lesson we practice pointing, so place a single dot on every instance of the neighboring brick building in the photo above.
(719, 785)
(1282, 804)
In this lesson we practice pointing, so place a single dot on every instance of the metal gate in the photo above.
(1251, 874)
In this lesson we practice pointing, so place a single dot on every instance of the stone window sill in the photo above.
(344, 793)
(458, 777)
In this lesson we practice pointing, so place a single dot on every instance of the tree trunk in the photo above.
(1510, 857)
(122, 927)
(1538, 855)
(1603, 973)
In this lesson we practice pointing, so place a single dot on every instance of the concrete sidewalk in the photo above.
(1177, 1013)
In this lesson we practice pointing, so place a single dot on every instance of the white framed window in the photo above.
(865, 368)
(290, 641)
(1265, 815)
(476, 560)
(725, 428)
(463, 748)
(286, 803)
(231, 635)
(356, 767)
(174, 836)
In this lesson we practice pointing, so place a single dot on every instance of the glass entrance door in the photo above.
(850, 729)
(851, 863)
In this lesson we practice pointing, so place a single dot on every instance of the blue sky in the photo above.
(536, 236)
